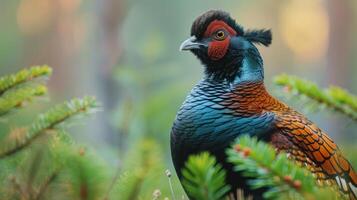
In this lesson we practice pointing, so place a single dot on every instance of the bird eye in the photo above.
(220, 35)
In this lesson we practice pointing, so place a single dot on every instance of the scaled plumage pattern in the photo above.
(232, 100)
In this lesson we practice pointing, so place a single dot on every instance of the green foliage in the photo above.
(282, 177)
(53, 168)
(204, 178)
(15, 98)
(84, 174)
(42, 161)
(143, 173)
(134, 179)
(40, 157)
(23, 76)
(333, 97)
(18, 88)
(48, 121)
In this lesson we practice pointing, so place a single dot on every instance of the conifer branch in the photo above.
(136, 178)
(15, 98)
(18, 188)
(142, 175)
(333, 97)
(43, 188)
(204, 178)
(281, 177)
(25, 75)
(50, 120)
(82, 178)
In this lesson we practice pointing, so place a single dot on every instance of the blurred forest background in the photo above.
(126, 54)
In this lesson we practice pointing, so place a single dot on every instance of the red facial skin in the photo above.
(218, 48)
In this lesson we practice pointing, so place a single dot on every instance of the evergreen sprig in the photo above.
(281, 177)
(48, 121)
(84, 174)
(25, 75)
(52, 164)
(141, 173)
(16, 98)
(204, 178)
(333, 97)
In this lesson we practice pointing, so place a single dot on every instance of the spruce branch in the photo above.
(112, 183)
(136, 178)
(333, 97)
(281, 177)
(142, 173)
(81, 173)
(18, 189)
(204, 178)
(25, 75)
(50, 120)
(15, 98)
(43, 188)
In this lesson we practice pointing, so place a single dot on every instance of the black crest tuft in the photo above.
(262, 36)
(199, 26)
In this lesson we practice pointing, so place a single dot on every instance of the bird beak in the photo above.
(190, 44)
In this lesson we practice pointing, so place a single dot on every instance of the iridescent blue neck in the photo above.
(251, 69)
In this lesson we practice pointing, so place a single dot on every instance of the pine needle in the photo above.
(17, 97)
(25, 75)
(50, 120)
(281, 177)
(333, 97)
(204, 178)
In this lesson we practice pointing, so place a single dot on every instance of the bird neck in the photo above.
(246, 66)
(251, 70)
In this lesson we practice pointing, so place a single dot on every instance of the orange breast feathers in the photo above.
(252, 98)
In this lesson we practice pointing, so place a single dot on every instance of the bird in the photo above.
(231, 100)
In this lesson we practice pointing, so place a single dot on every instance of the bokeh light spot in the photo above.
(69, 5)
(304, 26)
(34, 16)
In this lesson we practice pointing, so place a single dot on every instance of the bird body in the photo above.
(208, 122)
(231, 100)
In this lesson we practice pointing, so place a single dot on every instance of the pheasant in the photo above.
(232, 100)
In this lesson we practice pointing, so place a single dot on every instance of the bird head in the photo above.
(221, 44)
